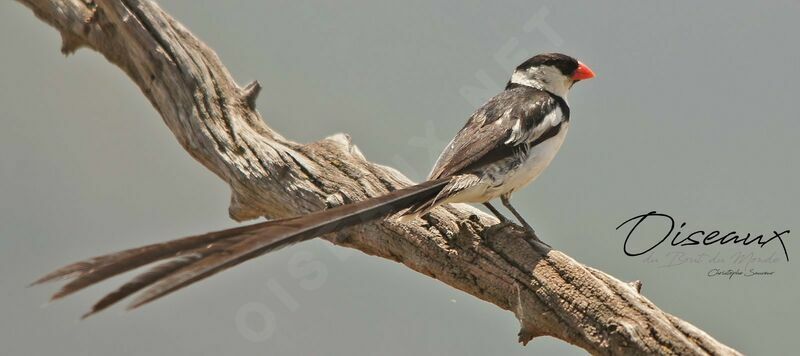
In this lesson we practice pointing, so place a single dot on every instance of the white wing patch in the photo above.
(552, 119)
(516, 132)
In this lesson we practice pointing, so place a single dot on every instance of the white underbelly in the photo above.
(539, 158)
(491, 186)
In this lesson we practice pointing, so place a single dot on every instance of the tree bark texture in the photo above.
(215, 120)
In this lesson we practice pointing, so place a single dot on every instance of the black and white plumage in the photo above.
(505, 145)
(512, 138)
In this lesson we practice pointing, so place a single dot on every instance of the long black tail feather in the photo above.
(194, 258)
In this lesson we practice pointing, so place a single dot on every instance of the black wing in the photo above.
(487, 136)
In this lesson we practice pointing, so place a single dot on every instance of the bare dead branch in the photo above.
(215, 121)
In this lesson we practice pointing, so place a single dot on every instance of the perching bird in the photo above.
(505, 145)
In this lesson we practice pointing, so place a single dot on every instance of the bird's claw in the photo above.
(532, 237)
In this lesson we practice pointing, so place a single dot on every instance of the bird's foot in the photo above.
(530, 234)
(532, 237)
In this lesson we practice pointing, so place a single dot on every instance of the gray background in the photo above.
(692, 114)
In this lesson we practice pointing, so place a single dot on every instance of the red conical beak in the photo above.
(583, 72)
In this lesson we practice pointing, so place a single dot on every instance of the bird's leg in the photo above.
(506, 199)
(496, 213)
(507, 203)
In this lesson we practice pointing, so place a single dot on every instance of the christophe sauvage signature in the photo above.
(697, 237)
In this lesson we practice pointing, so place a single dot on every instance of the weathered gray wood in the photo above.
(215, 121)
